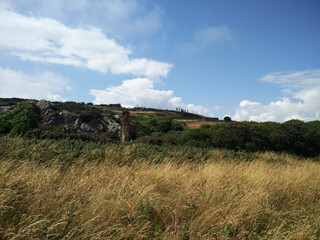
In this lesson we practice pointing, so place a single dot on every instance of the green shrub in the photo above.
(164, 125)
(293, 136)
(197, 137)
(5, 123)
(177, 126)
(90, 114)
(25, 117)
(205, 126)
(145, 127)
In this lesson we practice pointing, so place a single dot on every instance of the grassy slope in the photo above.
(75, 190)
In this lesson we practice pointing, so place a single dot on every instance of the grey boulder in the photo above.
(92, 127)
(43, 105)
(63, 117)
(111, 124)
(4, 109)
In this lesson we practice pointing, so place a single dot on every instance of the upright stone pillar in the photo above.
(125, 127)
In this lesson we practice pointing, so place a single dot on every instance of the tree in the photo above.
(227, 119)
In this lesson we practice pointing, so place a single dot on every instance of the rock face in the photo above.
(77, 124)
(48, 111)
(43, 105)
(92, 127)
(63, 117)
(69, 122)
(111, 125)
(4, 109)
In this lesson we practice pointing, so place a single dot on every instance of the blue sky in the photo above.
(251, 60)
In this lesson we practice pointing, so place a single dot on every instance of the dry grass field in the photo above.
(101, 193)
(192, 124)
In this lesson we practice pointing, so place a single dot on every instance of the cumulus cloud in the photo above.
(47, 40)
(301, 99)
(44, 85)
(142, 92)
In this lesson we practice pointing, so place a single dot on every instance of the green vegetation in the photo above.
(294, 137)
(25, 117)
(77, 108)
(89, 114)
(10, 101)
(161, 127)
(220, 180)
(148, 126)
(200, 137)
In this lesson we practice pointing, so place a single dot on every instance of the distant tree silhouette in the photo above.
(227, 119)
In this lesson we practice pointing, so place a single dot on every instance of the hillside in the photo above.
(78, 108)
(65, 174)
(114, 123)
(95, 121)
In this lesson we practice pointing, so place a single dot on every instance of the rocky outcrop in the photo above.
(4, 109)
(43, 105)
(63, 117)
(71, 123)
(94, 126)
(77, 124)
(48, 111)
(66, 117)
(111, 125)
(106, 124)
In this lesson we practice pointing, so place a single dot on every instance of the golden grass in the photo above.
(192, 124)
(273, 197)
(153, 113)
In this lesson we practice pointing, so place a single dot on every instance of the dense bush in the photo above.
(293, 136)
(145, 127)
(69, 106)
(23, 118)
(200, 137)
(89, 114)
(10, 101)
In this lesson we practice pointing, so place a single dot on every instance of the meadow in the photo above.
(72, 189)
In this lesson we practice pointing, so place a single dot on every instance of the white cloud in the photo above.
(46, 40)
(301, 100)
(121, 17)
(141, 92)
(44, 85)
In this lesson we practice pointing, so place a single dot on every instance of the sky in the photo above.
(251, 60)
